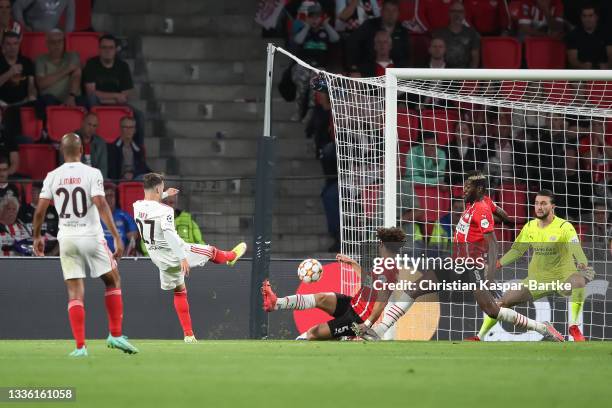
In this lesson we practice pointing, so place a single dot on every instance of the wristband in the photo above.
(164, 195)
(368, 323)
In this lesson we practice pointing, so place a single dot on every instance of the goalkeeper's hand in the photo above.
(586, 271)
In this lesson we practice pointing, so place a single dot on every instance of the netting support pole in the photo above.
(390, 171)
(264, 205)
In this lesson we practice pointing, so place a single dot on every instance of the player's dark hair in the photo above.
(152, 180)
(547, 193)
(10, 34)
(478, 180)
(392, 238)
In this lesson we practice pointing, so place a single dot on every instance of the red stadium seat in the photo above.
(33, 45)
(419, 49)
(599, 93)
(514, 200)
(560, 92)
(513, 90)
(582, 230)
(85, 44)
(129, 193)
(36, 160)
(30, 126)
(407, 129)
(544, 53)
(434, 200)
(500, 52)
(441, 122)
(62, 120)
(108, 120)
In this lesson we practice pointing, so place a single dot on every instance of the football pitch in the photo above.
(326, 374)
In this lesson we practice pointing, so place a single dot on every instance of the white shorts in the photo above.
(78, 252)
(197, 255)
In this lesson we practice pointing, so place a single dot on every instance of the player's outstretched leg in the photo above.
(76, 315)
(509, 299)
(394, 310)
(228, 257)
(113, 300)
(181, 305)
(293, 302)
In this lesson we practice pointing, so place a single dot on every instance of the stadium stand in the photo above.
(109, 117)
(63, 119)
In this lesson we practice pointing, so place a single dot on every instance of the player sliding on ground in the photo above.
(169, 252)
(78, 193)
(363, 308)
(555, 244)
(474, 238)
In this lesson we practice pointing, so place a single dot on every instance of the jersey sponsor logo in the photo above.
(552, 238)
(463, 227)
(484, 223)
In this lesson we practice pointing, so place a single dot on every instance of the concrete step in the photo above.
(234, 129)
(299, 245)
(243, 224)
(176, 7)
(160, 24)
(207, 147)
(196, 92)
(202, 48)
(303, 187)
(213, 167)
(152, 147)
(238, 111)
(158, 164)
(245, 204)
(208, 72)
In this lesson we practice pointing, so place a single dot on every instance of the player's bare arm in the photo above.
(347, 260)
(39, 216)
(503, 216)
(107, 217)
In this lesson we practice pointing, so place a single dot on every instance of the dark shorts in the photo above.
(344, 317)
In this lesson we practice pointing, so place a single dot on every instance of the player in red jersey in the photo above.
(363, 308)
(474, 239)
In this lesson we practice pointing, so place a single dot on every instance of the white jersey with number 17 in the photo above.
(152, 219)
(72, 187)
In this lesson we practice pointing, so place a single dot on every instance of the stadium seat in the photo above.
(108, 121)
(441, 122)
(36, 160)
(500, 52)
(599, 93)
(419, 49)
(560, 92)
(85, 44)
(129, 193)
(544, 53)
(82, 18)
(514, 200)
(62, 120)
(33, 45)
(433, 199)
(513, 90)
(407, 128)
(30, 125)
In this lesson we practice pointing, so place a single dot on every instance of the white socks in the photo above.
(296, 302)
(517, 319)
(393, 312)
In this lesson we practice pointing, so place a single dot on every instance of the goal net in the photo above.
(406, 141)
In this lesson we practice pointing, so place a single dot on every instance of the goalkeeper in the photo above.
(555, 245)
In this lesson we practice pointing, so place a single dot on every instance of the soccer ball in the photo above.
(310, 270)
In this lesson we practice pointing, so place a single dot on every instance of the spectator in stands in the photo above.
(601, 233)
(58, 74)
(488, 17)
(297, 10)
(44, 15)
(462, 42)
(351, 14)
(508, 154)
(573, 187)
(382, 59)
(313, 37)
(437, 53)
(362, 43)
(434, 14)
(537, 17)
(124, 222)
(7, 23)
(17, 86)
(589, 46)
(6, 188)
(50, 225)
(464, 154)
(108, 81)
(9, 151)
(126, 158)
(546, 152)
(95, 151)
(426, 162)
(15, 239)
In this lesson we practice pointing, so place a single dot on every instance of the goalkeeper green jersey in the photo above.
(554, 249)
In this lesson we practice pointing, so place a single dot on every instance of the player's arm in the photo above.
(175, 242)
(345, 259)
(582, 262)
(39, 216)
(502, 215)
(519, 247)
(107, 217)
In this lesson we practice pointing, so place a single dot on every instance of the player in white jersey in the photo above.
(169, 252)
(78, 193)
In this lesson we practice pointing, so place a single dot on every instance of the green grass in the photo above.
(332, 374)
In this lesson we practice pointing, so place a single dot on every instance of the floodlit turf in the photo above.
(333, 374)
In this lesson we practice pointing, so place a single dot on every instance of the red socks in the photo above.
(114, 310)
(76, 314)
(221, 257)
(182, 310)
